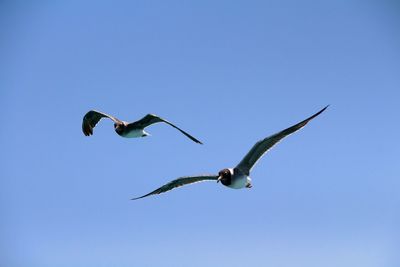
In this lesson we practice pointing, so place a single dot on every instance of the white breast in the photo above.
(134, 133)
(238, 181)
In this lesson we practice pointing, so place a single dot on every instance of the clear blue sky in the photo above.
(230, 73)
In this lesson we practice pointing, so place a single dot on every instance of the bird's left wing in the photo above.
(151, 119)
(91, 118)
(262, 146)
(180, 182)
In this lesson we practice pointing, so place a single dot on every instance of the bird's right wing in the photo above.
(150, 119)
(262, 146)
(180, 182)
(92, 118)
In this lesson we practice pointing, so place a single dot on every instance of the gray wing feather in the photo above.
(262, 146)
(180, 182)
(150, 119)
(92, 118)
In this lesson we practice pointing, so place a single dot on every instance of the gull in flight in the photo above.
(237, 177)
(125, 129)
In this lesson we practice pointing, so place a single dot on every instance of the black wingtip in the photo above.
(319, 112)
(189, 136)
(192, 138)
(136, 198)
(322, 110)
(304, 122)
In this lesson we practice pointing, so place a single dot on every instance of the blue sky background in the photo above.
(230, 73)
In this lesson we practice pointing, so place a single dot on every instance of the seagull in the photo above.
(125, 129)
(237, 177)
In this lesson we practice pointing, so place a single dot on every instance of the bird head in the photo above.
(224, 176)
(119, 127)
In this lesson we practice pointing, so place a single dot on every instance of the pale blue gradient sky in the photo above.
(230, 74)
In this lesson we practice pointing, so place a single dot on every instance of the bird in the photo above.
(239, 176)
(125, 129)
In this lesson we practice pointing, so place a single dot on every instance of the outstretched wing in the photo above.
(262, 146)
(180, 182)
(151, 119)
(92, 118)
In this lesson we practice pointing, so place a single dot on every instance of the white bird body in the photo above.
(134, 133)
(239, 180)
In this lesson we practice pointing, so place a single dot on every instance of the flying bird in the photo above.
(125, 129)
(237, 177)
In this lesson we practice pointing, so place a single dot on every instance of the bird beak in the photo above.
(219, 179)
